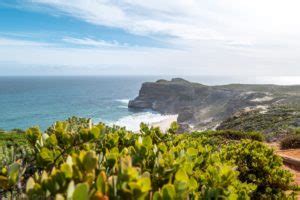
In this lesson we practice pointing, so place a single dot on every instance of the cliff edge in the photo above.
(205, 107)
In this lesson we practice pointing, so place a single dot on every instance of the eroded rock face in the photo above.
(203, 106)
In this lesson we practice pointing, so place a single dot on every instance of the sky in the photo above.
(143, 37)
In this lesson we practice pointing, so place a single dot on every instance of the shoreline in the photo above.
(132, 122)
(165, 124)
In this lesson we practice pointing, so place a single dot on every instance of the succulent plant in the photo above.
(76, 160)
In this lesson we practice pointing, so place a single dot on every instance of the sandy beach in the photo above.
(164, 125)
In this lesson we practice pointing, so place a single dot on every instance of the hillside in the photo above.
(276, 121)
(206, 107)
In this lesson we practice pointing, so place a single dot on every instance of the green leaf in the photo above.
(13, 173)
(101, 182)
(33, 134)
(157, 196)
(81, 192)
(145, 182)
(132, 173)
(162, 147)
(44, 176)
(30, 184)
(51, 140)
(144, 128)
(147, 141)
(95, 131)
(67, 170)
(139, 141)
(193, 185)
(69, 161)
(181, 176)
(59, 197)
(46, 155)
(70, 190)
(192, 152)
(111, 159)
(90, 161)
(84, 135)
(168, 192)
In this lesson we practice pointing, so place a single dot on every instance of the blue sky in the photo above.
(141, 37)
(53, 27)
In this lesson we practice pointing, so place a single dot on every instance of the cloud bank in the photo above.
(205, 37)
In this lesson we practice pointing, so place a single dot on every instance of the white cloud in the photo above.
(258, 37)
(196, 18)
(205, 58)
(93, 43)
(265, 16)
(179, 18)
(222, 20)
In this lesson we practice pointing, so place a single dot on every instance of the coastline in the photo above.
(132, 122)
(165, 124)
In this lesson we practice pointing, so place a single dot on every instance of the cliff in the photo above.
(205, 107)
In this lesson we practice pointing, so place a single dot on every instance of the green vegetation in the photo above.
(75, 160)
(236, 135)
(291, 141)
(258, 165)
(12, 138)
(277, 120)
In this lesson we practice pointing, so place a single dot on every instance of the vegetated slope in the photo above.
(205, 107)
(275, 121)
(77, 160)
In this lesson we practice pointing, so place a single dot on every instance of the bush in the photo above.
(74, 160)
(17, 130)
(12, 139)
(237, 135)
(259, 165)
(290, 142)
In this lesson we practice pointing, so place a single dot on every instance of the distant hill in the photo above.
(206, 107)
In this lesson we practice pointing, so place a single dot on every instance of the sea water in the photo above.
(31, 101)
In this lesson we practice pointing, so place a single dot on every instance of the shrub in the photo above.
(259, 165)
(290, 142)
(12, 139)
(80, 161)
(239, 135)
(17, 130)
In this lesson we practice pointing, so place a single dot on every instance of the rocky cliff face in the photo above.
(201, 107)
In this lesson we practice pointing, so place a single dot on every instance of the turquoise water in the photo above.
(30, 101)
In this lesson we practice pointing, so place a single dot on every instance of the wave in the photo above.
(123, 101)
(123, 107)
(132, 122)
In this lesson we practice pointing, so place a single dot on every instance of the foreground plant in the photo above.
(75, 160)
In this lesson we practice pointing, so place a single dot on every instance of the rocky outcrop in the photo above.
(202, 107)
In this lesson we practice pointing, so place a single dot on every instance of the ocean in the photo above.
(40, 101)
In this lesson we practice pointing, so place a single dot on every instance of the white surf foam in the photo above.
(123, 106)
(132, 122)
(123, 101)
